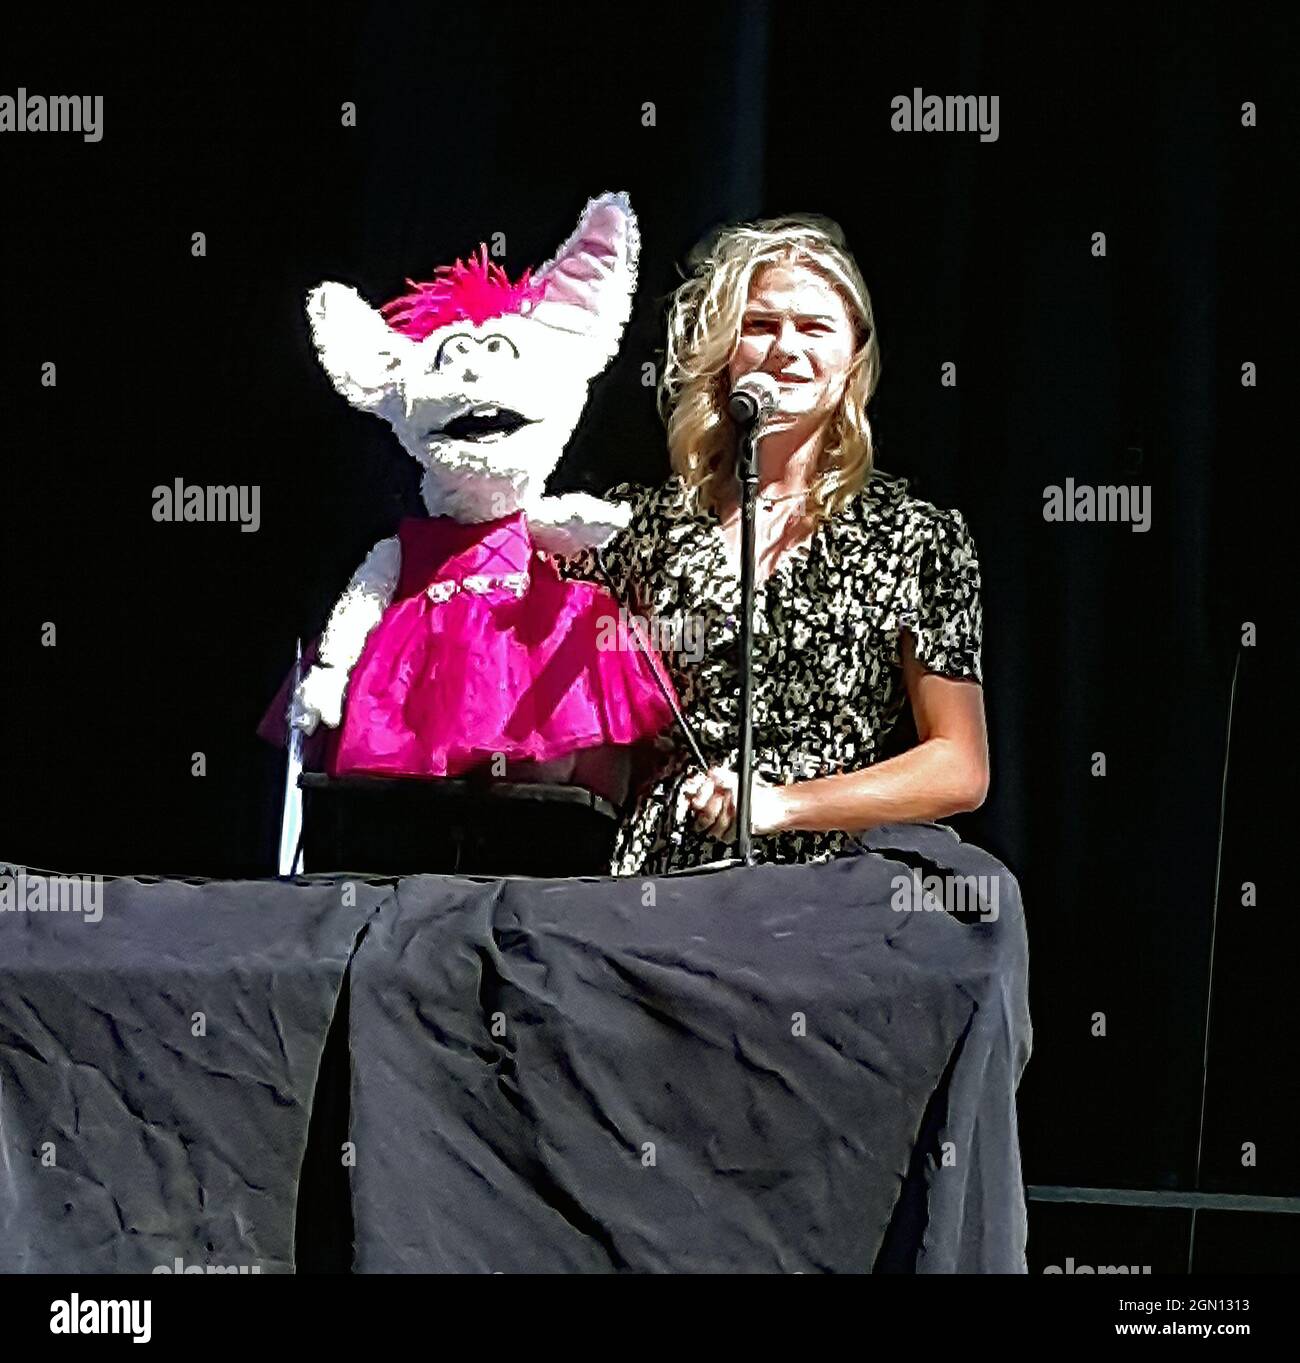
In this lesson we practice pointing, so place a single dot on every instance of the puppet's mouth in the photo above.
(485, 422)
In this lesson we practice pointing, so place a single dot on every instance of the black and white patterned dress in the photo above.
(828, 682)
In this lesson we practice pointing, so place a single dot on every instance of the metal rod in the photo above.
(1214, 933)
(667, 693)
(747, 472)
(1161, 1197)
(291, 811)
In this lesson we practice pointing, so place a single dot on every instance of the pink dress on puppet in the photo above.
(486, 650)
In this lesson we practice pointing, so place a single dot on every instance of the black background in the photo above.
(474, 120)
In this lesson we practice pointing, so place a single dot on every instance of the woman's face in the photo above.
(797, 328)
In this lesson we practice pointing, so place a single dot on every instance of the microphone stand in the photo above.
(291, 828)
(747, 473)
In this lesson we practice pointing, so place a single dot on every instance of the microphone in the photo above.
(753, 399)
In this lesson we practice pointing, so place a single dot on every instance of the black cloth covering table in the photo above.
(758, 1069)
(157, 1069)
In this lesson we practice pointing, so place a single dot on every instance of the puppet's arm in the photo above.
(575, 521)
(357, 612)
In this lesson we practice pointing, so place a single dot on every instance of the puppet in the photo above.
(457, 643)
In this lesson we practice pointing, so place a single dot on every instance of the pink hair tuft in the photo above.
(473, 291)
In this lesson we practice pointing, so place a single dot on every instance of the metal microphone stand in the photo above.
(747, 473)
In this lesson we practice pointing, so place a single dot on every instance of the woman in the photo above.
(866, 597)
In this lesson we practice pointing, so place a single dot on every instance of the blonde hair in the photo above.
(704, 322)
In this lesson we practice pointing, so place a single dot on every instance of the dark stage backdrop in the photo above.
(1123, 368)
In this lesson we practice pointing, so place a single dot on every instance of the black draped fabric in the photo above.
(598, 1075)
(1163, 127)
(126, 1140)
(763, 1069)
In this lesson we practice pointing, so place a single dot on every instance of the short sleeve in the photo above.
(943, 612)
(618, 554)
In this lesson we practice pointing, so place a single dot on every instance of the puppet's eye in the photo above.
(494, 345)
(452, 351)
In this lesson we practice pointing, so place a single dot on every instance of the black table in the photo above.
(766, 1069)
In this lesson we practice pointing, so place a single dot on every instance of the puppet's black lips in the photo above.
(484, 421)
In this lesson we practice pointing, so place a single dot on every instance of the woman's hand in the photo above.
(711, 799)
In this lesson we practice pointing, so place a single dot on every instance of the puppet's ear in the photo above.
(361, 353)
(590, 283)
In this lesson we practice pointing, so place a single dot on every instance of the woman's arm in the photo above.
(946, 773)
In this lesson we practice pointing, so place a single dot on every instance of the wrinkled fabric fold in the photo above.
(766, 1069)
(158, 1070)
(760, 1069)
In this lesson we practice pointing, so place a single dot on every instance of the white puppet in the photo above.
(456, 641)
